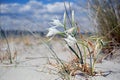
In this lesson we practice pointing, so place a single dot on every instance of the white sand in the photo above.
(30, 69)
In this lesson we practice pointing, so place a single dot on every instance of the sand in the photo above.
(31, 63)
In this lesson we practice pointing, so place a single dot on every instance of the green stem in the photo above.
(84, 54)
(91, 67)
(80, 54)
(73, 51)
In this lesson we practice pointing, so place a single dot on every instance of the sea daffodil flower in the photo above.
(57, 23)
(70, 40)
(52, 31)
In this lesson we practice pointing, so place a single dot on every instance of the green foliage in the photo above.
(91, 49)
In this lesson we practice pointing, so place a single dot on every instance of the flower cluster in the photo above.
(68, 33)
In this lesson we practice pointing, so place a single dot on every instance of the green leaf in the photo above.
(73, 51)
(64, 20)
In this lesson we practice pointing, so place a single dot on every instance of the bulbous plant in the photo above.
(69, 36)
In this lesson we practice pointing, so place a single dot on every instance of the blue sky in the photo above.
(25, 1)
(36, 14)
(13, 1)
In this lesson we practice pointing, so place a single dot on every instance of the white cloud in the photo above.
(9, 8)
(25, 8)
(55, 7)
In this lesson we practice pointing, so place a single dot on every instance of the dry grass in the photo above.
(107, 15)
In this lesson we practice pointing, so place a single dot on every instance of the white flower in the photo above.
(70, 40)
(70, 30)
(57, 23)
(52, 31)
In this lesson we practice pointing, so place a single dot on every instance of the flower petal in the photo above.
(52, 31)
(57, 23)
(70, 40)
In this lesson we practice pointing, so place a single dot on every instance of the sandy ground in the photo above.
(31, 61)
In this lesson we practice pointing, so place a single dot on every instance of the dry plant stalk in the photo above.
(72, 67)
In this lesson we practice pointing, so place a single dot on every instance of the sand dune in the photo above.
(32, 59)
